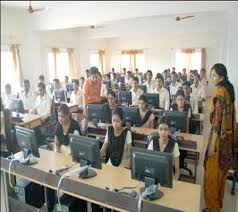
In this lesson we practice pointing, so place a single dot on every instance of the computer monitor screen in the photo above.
(59, 95)
(153, 100)
(27, 141)
(85, 151)
(17, 105)
(69, 87)
(121, 79)
(131, 115)
(152, 167)
(143, 87)
(97, 113)
(178, 120)
(107, 83)
(124, 98)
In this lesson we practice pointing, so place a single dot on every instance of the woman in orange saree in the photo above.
(219, 155)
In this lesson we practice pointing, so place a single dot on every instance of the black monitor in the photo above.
(59, 95)
(152, 167)
(131, 116)
(178, 120)
(143, 88)
(85, 151)
(27, 141)
(124, 98)
(17, 105)
(107, 83)
(153, 100)
(97, 113)
(69, 87)
(121, 79)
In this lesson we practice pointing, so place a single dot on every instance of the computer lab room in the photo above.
(113, 106)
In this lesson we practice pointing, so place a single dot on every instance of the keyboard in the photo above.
(189, 144)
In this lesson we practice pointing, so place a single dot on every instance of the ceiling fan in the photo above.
(184, 17)
(95, 26)
(31, 10)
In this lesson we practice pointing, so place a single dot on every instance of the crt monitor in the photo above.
(96, 113)
(153, 100)
(177, 119)
(125, 98)
(152, 167)
(131, 115)
(107, 83)
(27, 141)
(59, 95)
(17, 105)
(121, 79)
(143, 88)
(86, 151)
(69, 87)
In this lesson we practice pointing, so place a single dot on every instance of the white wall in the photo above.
(159, 47)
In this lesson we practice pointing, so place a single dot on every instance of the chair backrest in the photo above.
(8, 132)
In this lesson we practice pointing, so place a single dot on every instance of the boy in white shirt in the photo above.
(174, 86)
(7, 98)
(77, 94)
(136, 92)
(164, 100)
(27, 96)
(150, 84)
(138, 75)
(42, 104)
(198, 88)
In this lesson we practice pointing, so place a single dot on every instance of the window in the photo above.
(58, 64)
(94, 60)
(8, 74)
(190, 59)
(131, 59)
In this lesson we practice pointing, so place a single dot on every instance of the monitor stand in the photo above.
(151, 191)
(88, 173)
(128, 125)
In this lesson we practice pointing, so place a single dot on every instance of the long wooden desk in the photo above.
(182, 197)
(28, 121)
(139, 135)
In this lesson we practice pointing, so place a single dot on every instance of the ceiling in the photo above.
(74, 14)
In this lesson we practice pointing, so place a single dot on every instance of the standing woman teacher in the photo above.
(220, 150)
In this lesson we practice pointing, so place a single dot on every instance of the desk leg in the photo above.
(195, 171)
(5, 190)
(46, 200)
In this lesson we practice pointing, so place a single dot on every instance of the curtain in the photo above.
(102, 60)
(55, 53)
(14, 48)
(72, 66)
(203, 58)
(132, 54)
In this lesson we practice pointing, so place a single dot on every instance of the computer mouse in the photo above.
(134, 194)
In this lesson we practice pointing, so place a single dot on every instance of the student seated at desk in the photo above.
(164, 100)
(27, 96)
(58, 88)
(136, 92)
(77, 94)
(181, 105)
(7, 97)
(166, 144)
(146, 115)
(187, 90)
(64, 126)
(118, 141)
(111, 105)
(42, 104)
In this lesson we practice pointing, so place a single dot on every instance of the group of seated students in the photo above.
(118, 139)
